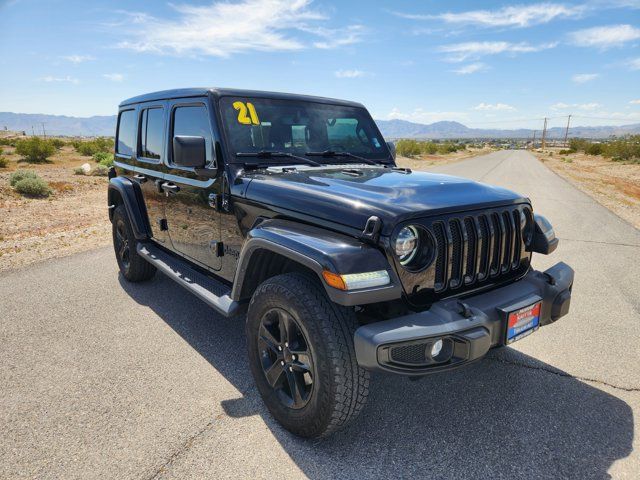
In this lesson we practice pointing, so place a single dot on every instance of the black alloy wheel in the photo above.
(287, 363)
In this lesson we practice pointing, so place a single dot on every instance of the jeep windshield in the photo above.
(325, 133)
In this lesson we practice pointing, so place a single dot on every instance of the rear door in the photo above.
(150, 169)
(194, 224)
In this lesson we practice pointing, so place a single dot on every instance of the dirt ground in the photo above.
(615, 185)
(73, 219)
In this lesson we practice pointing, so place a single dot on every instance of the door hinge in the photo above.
(218, 248)
(162, 223)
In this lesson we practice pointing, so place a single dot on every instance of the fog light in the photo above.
(436, 348)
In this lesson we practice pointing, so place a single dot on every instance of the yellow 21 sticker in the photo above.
(242, 109)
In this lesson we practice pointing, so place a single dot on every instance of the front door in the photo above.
(193, 222)
(150, 170)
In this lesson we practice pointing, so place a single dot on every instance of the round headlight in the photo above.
(406, 244)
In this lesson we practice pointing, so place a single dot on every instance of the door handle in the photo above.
(140, 178)
(170, 187)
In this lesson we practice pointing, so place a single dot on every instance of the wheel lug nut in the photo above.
(293, 357)
(291, 369)
(282, 362)
(286, 344)
(280, 347)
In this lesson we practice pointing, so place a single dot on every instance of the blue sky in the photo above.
(485, 64)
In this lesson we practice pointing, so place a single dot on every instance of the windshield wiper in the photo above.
(270, 154)
(331, 153)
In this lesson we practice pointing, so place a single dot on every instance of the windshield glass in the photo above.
(253, 125)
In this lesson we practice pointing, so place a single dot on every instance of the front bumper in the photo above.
(469, 326)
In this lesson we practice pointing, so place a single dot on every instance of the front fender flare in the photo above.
(319, 249)
(131, 196)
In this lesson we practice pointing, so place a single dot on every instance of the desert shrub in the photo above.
(429, 148)
(408, 148)
(578, 144)
(99, 157)
(9, 142)
(594, 149)
(35, 187)
(78, 171)
(35, 149)
(18, 175)
(624, 149)
(566, 152)
(3, 161)
(57, 143)
(100, 171)
(91, 147)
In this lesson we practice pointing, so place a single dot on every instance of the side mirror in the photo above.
(189, 151)
(392, 149)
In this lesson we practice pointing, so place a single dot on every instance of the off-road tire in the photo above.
(340, 385)
(133, 267)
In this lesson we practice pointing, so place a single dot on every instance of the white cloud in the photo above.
(634, 102)
(349, 73)
(463, 51)
(511, 16)
(78, 58)
(471, 68)
(584, 77)
(420, 115)
(222, 28)
(605, 37)
(66, 79)
(114, 77)
(334, 37)
(494, 106)
(579, 106)
(634, 63)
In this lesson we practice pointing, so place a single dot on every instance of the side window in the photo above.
(151, 131)
(126, 132)
(193, 120)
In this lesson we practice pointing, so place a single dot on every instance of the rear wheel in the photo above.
(302, 357)
(132, 266)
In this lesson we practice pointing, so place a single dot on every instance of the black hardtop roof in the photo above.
(232, 92)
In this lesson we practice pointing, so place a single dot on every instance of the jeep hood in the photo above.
(350, 194)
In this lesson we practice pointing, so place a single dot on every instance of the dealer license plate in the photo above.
(523, 322)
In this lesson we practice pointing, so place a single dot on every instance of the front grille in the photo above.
(473, 247)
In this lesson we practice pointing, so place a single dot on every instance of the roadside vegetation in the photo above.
(35, 149)
(27, 182)
(619, 150)
(415, 148)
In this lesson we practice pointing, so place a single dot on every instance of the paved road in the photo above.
(102, 379)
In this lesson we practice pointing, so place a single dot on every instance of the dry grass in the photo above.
(73, 219)
(615, 185)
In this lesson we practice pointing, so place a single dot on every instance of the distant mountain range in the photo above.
(403, 129)
(391, 129)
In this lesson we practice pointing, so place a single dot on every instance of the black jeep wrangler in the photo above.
(292, 209)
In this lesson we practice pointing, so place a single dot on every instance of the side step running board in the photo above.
(212, 292)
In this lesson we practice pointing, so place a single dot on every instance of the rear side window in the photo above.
(193, 120)
(126, 132)
(151, 130)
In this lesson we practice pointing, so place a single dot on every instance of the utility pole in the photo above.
(533, 145)
(44, 133)
(544, 133)
(566, 132)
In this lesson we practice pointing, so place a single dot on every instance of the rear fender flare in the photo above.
(122, 190)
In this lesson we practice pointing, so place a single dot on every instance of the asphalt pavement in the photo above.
(104, 379)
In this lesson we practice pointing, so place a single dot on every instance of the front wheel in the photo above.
(302, 357)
